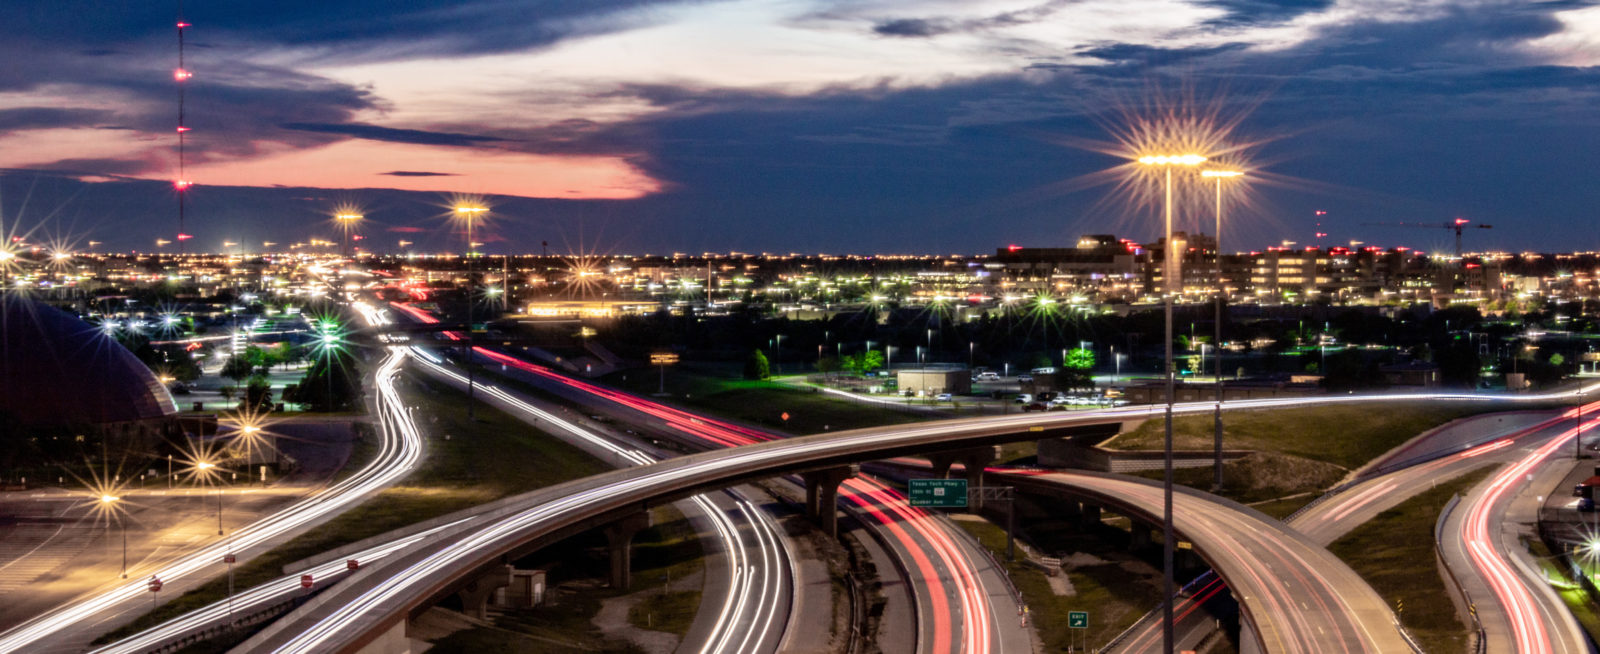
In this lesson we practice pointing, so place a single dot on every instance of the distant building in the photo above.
(932, 381)
(57, 371)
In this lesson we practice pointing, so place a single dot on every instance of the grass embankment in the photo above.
(763, 402)
(1394, 552)
(578, 568)
(492, 457)
(1575, 596)
(1303, 450)
(1114, 597)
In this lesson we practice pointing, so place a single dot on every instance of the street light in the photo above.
(469, 213)
(1169, 268)
(204, 469)
(347, 220)
(1222, 289)
(109, 504)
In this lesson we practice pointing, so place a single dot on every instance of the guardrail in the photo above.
(1480, 641)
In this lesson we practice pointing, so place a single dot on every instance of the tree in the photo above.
(1079, 359)
(331, 384)
(756, 367)
(228, 392)
(238, 368)
(828, 365)
(257, 394)
(870, 360)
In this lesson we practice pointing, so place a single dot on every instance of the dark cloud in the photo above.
(1263, 12)
(416, 173)
(378, 133)
(1145, 55)
(49, 117)
(918, 27)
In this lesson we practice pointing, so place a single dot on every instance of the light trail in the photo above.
(757, 578)
(261, 595)
(977, 622)
(975, 611)
(398, 452)
(1528, 629)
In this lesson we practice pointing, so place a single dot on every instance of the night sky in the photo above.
(612, 126)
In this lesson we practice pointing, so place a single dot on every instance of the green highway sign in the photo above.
(1078, 619)
(938, 493)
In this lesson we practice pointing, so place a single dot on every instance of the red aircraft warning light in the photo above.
(180, 74)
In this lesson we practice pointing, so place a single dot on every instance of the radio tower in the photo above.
(182, 183)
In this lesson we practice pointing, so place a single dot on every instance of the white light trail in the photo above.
(399, 450)
(755, 587)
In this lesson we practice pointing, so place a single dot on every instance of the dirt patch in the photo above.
(1267, 474)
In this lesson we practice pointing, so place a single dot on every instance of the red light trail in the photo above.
(864, 492)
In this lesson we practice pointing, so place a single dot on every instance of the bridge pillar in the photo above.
(620, 535)
(1139, 539)
(1090, 514)
(475, 596)
(973, 461)
(822, 492)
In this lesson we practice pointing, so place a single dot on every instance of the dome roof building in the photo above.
(56, 369)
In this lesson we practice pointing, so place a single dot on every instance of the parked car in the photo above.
(988, 376)
(1024, 378)
(943, 397)
(1035, 406)
(1024, 398)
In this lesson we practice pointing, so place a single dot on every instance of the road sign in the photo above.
(663, 358)
(785, 416)
(938, 493)
(229, 558)
(352, 564)
(1077, 619)
(155, 584)
(305, 581)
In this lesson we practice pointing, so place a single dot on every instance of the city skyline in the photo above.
(636, 126)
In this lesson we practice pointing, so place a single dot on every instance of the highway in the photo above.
(1298, 595)
(951, 576)
(399, 449)
(756, 577)
(1483, 541)
(376, 600)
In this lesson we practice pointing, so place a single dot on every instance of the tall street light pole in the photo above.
(110, 502)
(469, 214)
(347, 221)
(207, 465)
(1216, 341)
(1169, 257)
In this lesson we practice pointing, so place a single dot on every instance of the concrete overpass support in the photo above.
(1090, 515)
(822, 492)
(476, 595)
(620, 535)
(973, 461)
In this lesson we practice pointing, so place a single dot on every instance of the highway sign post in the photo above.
(1079, 620)
(663, 359)
(937, 493)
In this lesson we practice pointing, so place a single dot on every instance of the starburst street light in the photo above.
(1171, 280)
(469, 212)
(1222, 289)
(109, 504)
(347, 216)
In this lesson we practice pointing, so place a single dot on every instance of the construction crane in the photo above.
(1457, 225)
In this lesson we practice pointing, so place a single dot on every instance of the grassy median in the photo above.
(1394, 552)
(764, 402)
(492, 457)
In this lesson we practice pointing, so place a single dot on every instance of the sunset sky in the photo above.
(794, 125)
